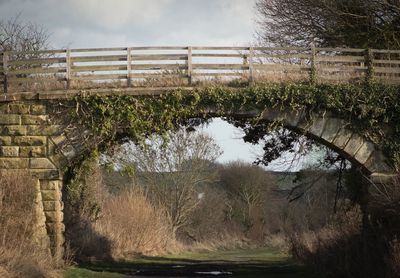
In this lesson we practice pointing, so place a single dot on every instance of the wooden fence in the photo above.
(173, 66)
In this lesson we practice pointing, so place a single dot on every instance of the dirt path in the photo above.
(262, 262)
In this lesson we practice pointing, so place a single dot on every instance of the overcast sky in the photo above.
(109, 23)
(94, 23)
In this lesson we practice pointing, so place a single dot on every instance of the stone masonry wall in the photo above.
(26, 142)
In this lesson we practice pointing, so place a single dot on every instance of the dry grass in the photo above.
(134, 226)
(357, 245)
(20, 256)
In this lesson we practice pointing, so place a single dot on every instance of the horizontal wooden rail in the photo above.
(182, 65)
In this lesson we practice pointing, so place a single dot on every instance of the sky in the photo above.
(90, 23)
(122, 23)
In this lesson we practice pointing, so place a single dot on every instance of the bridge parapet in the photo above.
(91, 68)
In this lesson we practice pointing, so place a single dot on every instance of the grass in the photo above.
(253, 263)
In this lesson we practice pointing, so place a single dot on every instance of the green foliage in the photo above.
(80, 199)
(372, 109)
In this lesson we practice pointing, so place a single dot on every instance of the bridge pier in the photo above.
(26, 144)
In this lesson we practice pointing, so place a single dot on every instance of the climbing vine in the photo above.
(373, 109)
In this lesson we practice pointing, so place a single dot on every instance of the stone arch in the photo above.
(336, 134)
(30, 140)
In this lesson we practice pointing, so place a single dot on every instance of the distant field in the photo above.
(261, 262)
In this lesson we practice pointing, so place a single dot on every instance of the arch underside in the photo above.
(32, 140)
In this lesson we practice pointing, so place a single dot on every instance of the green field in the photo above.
(261, 262)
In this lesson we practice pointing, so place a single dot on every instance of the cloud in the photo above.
(117, 14)
(90, 23)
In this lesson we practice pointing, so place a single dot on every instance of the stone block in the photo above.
(288, 117)
(50, 195)
(19, 108)
(30, 140)
(54, 216)
(5, 140)
(69, 152)
(317, 126)
(382, 178)
(32, 151)
(4, 108)
(35, 119)
(342, 137)
(38, 109)
(52, 205)
(9, 151)
(41, 163)
(332, 127)
(45, 174)
(58, 140)
(14, 130)
(354, 144)
(53, 228)
(377, 163)
(58, 159)
(14, 163)
(10, 119)
(364, 152)
(44, 130)
(50, 184)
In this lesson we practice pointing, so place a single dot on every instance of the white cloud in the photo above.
(117, 14)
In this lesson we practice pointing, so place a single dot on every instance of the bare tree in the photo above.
(173, 167)
(352, 23)
(22, 36)
(248, 184)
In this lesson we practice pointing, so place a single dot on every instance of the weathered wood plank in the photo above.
(76, 69)
(281, 67)
(393, 62)
(37, 61)
(340, 49)
(105, 58)
(218, 55)
(387, 70)
(159, 57)
(98, 77)
(157, 75)
(220, 66)
(38, 70)
(49, 79)
(159, 67)
(340, 59)
(218, 48)
(99, 49)
(159, 48)
(225, 74)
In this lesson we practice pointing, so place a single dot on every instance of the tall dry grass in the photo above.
(20, 255)
(135, 226)
(357, 243)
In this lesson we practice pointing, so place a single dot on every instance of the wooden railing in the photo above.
(172, 66)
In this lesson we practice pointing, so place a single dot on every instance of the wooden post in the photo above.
(68, 62)
(128, 66)
(369, 58)
(5, 71)
(189, 65)
(251, 69)
(313, 69)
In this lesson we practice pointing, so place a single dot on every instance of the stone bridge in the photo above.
(32, 139)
